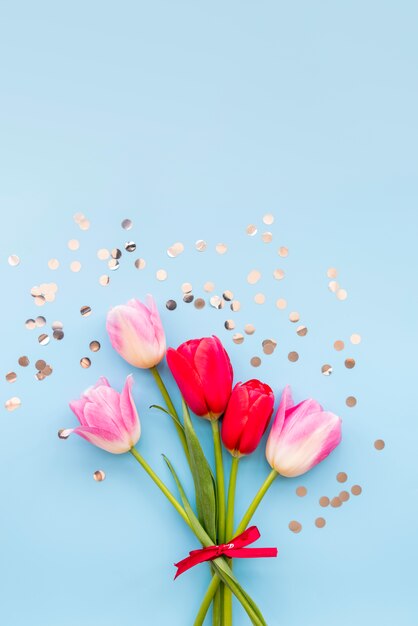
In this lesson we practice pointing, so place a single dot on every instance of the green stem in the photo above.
(171, 408)
(257, 499)
(215, 582)
(220, 484)
(200, 617)
(217, 608)
(160, 484)
(220, 500)
(229, 530)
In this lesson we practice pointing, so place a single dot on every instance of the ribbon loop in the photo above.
(235, 549)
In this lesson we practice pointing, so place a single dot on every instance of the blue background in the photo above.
(195, 119)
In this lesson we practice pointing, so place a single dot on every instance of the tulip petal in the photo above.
(188, 381)
(103, 411)
(258, 419)
(236, 417)
(212, 362)
(128, 411)
(109, 441)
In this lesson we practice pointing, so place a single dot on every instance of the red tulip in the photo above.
(247, 416)
(203, 372)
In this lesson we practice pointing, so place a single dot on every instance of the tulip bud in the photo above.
(246, 417)
(203, 372)
(108, 419)
(136, 332)
(301, 436)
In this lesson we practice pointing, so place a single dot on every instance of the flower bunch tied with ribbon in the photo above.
(300, 437)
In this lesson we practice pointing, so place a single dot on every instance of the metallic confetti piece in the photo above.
(116, 253)
(188, 297)
(342, 294)
(349, 363)
(221, 248)
(130, 246)
(344, 496)
(295, 526)
(64, 433)
(209, 286)
(216, 302)
(301, 492)
(293, 357)
(255, 361)
(351, 401)
(23, 361)
(84, 224)
(253, 277)
(379, 444)
(332, 272)
(53, 264)
(73, 244)
(171, 305)
(281, 303)
(333, 286)
(13, 403)
(126, 224)
(161, 275)
(40, 376)
(94, 346)
(278, 274)
(326, 369)
(85, 362)
(294, 316)
(78, 217)
(229, 324)
(30, 324)
(320, 522)
(259, 298)
(342, 477)
(85, 311)
(356, 490)
(339, 345)
(355, 339)
(103, 254)
(40, 364)
(113, 264)
(57, 325)
(249, 329)
(11, 377)
(238, 338)
(324, 501)
(99, 476)
(75, 266)
(302, 331)
(58, 334)
(201, 245)
(336, 502)
(199, 303)
(43, 339)
(269, 346)
(251, 230)
(235, 306)
(13, 260)
(140, 264)
(268, 219)
(187, 287)
(283, 252)
(40, 321)
(104, 280)
(267, 237)
(175, 249)
(228, 295)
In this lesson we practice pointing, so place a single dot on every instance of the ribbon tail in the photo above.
(251, 553)
(194, 558)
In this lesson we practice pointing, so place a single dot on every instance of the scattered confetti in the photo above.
(295, 526)
(13, 403)
(99, 475)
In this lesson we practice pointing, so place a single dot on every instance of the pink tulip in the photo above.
(108, 419)
(136, 332)
(247, 416)
(203, 372)
(301, 436)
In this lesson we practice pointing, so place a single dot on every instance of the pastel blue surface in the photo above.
(194, 120)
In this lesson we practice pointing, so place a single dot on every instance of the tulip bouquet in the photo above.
(301, 436)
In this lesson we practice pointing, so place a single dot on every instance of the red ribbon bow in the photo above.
(235, 549)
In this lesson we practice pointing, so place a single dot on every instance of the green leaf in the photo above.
(202, 477)
(173, 417)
